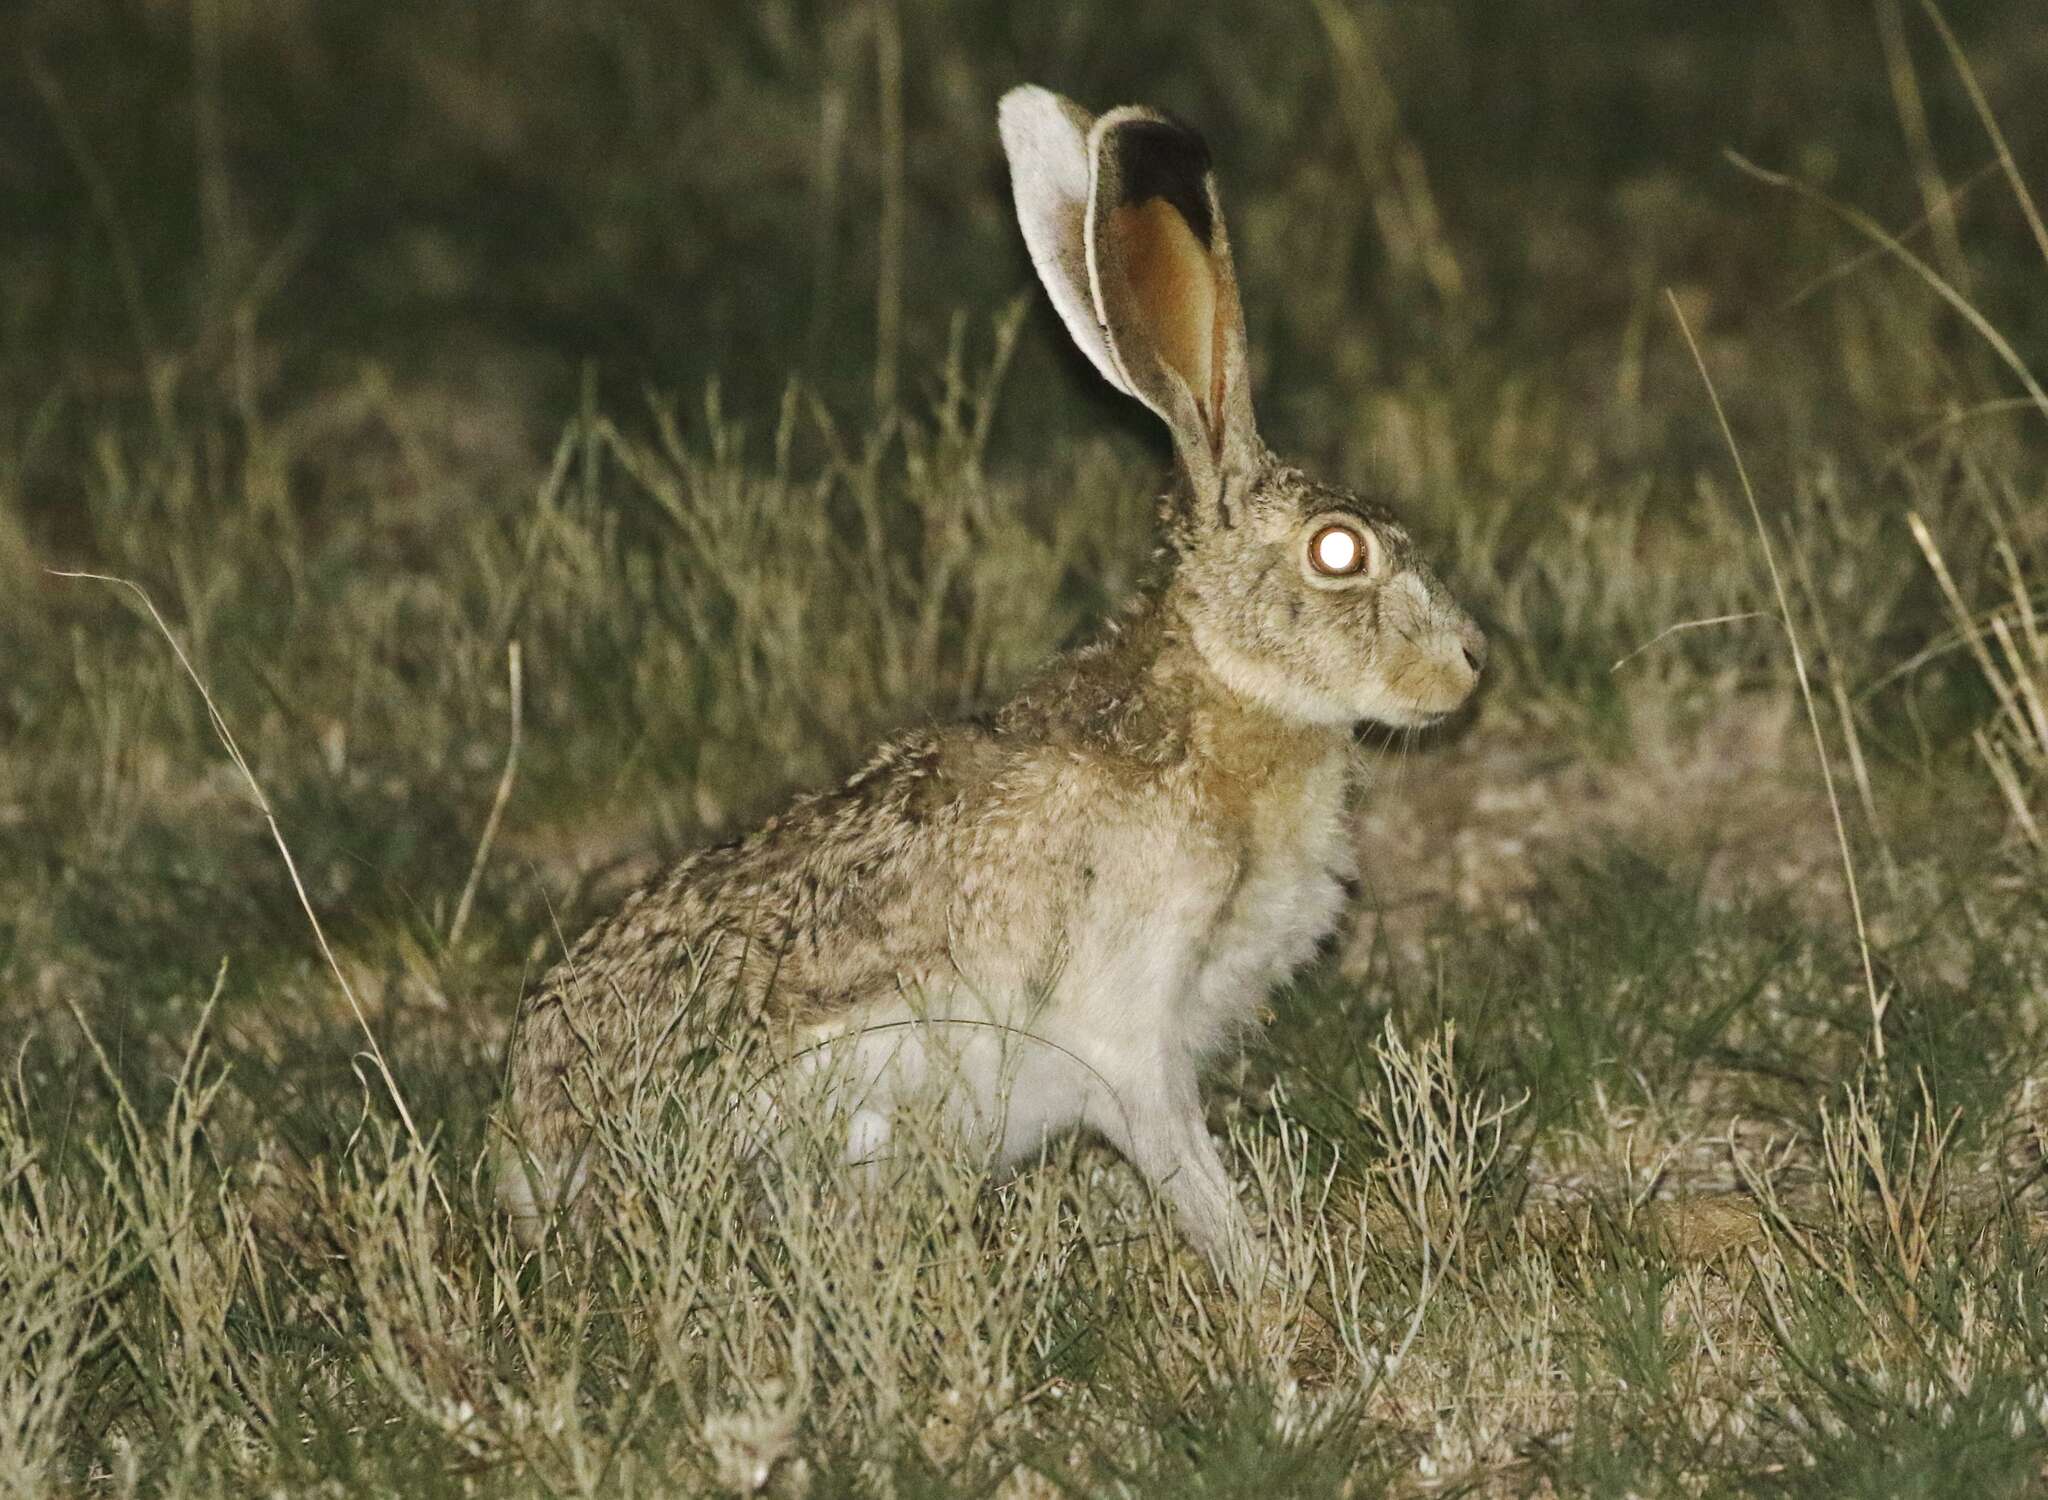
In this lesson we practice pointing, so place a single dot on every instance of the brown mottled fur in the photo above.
(829, 904)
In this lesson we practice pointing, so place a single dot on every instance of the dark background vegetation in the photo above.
(503, 195)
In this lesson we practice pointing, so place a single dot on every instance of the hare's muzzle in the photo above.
(1472, 645)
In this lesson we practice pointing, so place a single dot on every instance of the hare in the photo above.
(1050, 917)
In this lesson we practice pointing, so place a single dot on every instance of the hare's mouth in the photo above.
(1389, 721)
(1412, 718)
(1427, 709)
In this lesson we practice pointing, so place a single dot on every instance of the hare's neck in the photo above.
(1235, 735)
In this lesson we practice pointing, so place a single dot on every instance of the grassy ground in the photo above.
(687, 350)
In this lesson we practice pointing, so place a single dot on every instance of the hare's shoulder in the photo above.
(1119, 702)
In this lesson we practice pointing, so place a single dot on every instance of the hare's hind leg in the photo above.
(534, 1189)
(946, 1079)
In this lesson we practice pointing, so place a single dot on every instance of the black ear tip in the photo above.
(1165, 159)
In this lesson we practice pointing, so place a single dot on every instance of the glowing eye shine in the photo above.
(1337, 551)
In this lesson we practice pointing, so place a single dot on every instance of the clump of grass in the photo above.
(2014, 745)
(60, 1270)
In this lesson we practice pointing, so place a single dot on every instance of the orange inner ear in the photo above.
(1175, 284)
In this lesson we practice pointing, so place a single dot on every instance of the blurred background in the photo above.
(693, 346)
(488, 201)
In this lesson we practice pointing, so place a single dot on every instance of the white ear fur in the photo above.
(1122, 219)
(1045, 137)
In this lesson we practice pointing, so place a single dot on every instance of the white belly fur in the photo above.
(1174, 952)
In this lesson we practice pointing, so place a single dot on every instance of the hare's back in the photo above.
(932, 852)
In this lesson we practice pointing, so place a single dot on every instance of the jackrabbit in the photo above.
(1051, 916)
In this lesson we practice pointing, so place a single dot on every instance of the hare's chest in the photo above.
(1286, 896)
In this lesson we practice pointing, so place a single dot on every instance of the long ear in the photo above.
(1046, 139)
(1166, 292)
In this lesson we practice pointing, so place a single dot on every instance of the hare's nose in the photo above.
(1472, 641)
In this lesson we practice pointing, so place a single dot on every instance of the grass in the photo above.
(675, 354)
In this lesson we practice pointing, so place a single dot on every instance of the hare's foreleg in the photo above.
(1157, 1125)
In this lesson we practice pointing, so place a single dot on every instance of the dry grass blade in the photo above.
(498, 801)
(1938, 283)
(1999, 763)
(1410, 225)
(1878, 1000)
(1972, 637)
(1954, 197)
(227, 740)
(1911, 109)
(1990, 122)
(1671, 630)
(106, 206)
(1943, 645)
(2017, 740)
(890, 232)
(1859, 768)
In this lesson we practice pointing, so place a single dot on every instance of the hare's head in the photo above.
(1300, 596)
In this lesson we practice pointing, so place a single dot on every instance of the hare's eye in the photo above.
(1339, 551)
